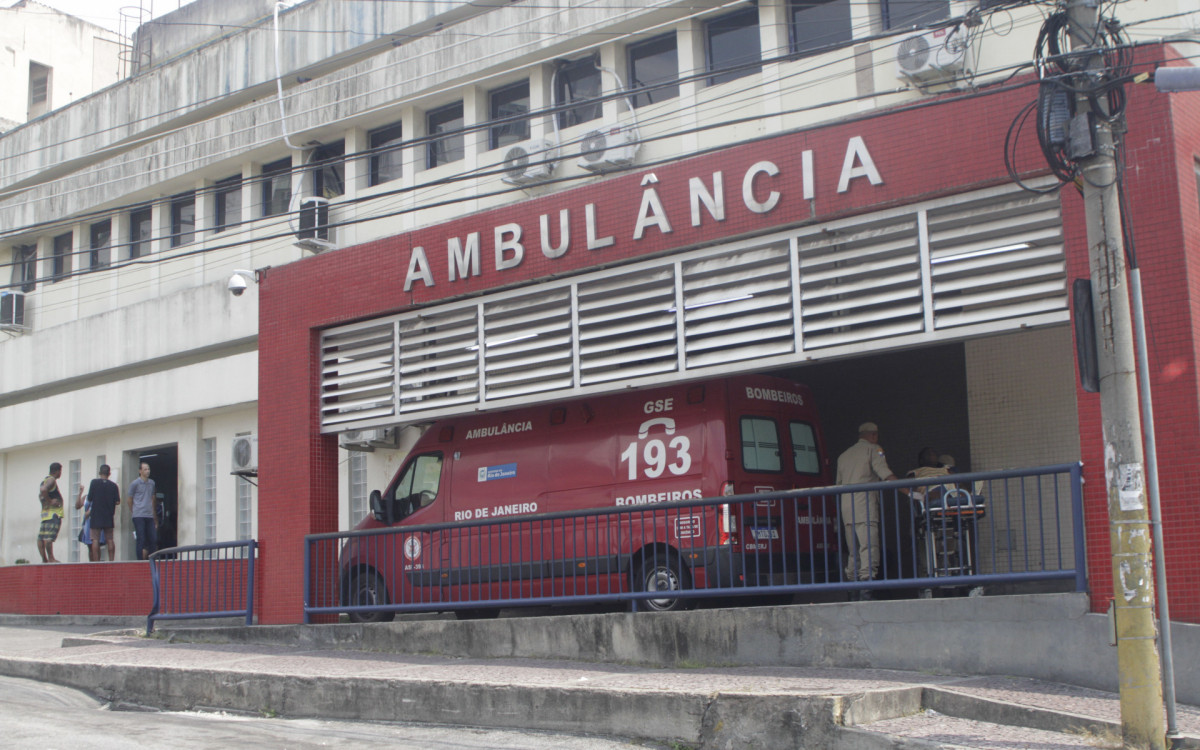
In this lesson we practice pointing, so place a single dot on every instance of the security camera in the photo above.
(237, 285)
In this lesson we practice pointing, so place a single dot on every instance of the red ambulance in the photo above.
(620, 457)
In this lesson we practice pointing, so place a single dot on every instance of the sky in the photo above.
(107, 13)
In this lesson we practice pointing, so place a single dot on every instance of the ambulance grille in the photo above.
(942, 270)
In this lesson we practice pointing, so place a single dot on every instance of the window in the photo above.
(24, 271)
(358, 487)
(804, 449)
(39, 89)
(760, 444)
(449, 121)
(654, 70)
(141, 223)
(904, 14)
(329, 170)
(62, 256)
(509, 102)
(578, 81)
(276, 187)
(816, 24)
(183, 219)
(386, 154)
(245, 528)
(208, 488)
(229, 203)
(70, 493)
(734, 48)
(100, 243)
(418, 487)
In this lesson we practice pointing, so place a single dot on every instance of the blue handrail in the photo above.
(203, 581)
(791, 541)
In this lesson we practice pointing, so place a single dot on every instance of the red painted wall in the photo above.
(77, 588)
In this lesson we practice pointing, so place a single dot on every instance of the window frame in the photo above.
(61, 256)
(137, 241)
(742, 443)
(442, 143)
(653, 91)
(816, 447)
(576, 111)
(795, 9)
(914, 17)
(408, 476)
(327, 167)
(97, 258)
(498, 133)
(222, 190)
(729, 20)
(181, 234)
(385, 147)
(24, 272)
(273, 175)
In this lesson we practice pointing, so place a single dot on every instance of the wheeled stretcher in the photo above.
(948, 521)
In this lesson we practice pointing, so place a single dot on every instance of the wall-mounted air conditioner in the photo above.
(368, 440)
(611, 146)
(314, 233)
(245, 455)
(12, 309)
(529, 161)
(932, 57)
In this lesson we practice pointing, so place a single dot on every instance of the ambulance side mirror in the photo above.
(379, 509)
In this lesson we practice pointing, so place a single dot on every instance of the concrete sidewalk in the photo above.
(249, 670)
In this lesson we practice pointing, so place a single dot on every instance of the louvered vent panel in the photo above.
(738, 306)
(860, 281)
(357, 373)
(997, 258)
(527, 344)
(439, 359)
(627, 325)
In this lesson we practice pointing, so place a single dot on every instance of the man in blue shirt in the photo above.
(145, 517)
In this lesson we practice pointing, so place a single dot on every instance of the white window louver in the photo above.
(996, 259)
(860, 280)
(627, 325)
(739, 306)
(944, 270)
(527, 345)
(357, 373)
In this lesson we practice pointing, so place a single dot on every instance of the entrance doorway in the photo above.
(164, 470)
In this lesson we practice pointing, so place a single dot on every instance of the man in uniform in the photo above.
(862, 463)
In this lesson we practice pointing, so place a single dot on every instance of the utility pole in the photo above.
(1129, 522)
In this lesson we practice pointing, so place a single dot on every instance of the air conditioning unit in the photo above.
(529, 161)
(245, 455)
(610, 146)
(368, 440)
(932, 57)
(314, 233)
(12, 309)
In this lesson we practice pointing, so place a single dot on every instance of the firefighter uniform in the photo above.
(862, 463)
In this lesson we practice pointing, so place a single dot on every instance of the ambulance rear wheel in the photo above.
(367, 589)
(661, 573)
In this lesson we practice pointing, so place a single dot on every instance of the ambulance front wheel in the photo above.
(366, 589)
(661, 573)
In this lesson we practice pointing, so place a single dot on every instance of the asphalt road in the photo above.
(38, 716)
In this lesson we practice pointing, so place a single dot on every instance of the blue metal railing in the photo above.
(202, 581)
(962, 530)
